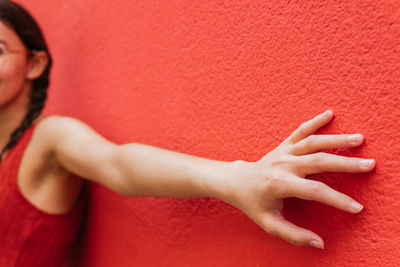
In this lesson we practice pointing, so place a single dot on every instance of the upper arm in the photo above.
(81, 150)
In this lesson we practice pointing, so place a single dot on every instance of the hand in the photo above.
(258, 188)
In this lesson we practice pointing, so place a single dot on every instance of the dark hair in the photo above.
(17, 18)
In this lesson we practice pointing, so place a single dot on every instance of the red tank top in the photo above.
(29, 236)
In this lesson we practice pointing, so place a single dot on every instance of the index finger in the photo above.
(309, 127)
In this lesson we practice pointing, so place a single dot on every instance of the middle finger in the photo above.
(314, 143)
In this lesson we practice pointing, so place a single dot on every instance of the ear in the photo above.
(37, 65)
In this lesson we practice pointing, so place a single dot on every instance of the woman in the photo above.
(46, 159)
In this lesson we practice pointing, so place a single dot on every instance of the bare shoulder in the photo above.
(78, 148)
(57, 126)
(55, 130)
(50, 130)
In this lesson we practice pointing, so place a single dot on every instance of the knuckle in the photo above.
(277, 187)
(317, 157)
(278, 161)
(296, 240)
(317, 187)
(274, 185)
(311, 139)
(302, 127)
(307, 142)
(283, 160)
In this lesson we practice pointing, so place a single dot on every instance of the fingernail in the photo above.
(355, 138)
(356, 206)
(317, 244)
(366, 163)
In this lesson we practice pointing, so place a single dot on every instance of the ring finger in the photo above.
(326, 162)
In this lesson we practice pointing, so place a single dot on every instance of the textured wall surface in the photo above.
(230, 80)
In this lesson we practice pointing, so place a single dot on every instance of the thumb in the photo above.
(277, 225)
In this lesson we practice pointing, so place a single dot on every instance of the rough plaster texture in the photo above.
(230, 80)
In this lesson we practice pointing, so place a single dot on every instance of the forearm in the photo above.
(155, 172)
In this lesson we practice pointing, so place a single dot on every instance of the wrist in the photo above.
(224, 189)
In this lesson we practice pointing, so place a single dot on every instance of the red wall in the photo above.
(230, 80)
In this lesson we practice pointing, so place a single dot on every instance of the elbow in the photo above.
(118, 183)
(117, 177)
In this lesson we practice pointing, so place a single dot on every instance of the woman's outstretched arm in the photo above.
(257, 188)
(132, 169)
(151, 171)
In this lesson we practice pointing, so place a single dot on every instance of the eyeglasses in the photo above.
(4, 51)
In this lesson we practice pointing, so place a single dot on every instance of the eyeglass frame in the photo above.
(28, 52)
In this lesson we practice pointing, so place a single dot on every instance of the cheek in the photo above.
(12, 79)
(12, 69)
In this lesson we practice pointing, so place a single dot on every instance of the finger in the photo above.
(326, 162)
(277, 225)
(318, 191)
(309, 127)
(314, 143)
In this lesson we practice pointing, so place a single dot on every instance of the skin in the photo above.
(16, 75)
(41, 180)
(64, 151)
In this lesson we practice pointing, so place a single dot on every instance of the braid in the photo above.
(24, 25)
(37, 102)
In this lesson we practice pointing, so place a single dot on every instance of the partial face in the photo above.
(13, 65)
